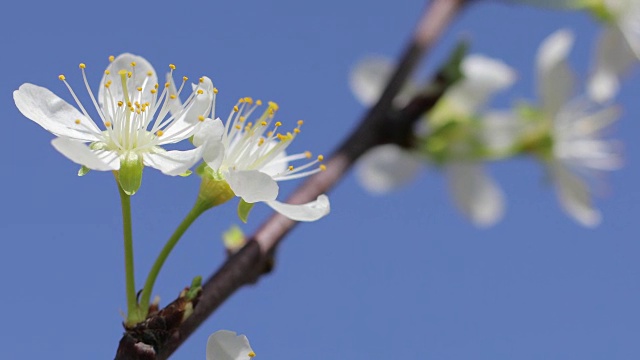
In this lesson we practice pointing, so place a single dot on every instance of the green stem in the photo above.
(133, 312)
(197, 210)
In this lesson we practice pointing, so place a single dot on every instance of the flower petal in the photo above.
(54, 114)
(613, 58)
(475, 194)
(227, 345)
(574, 196)
(386, 167)
(139, 78)
(483, 76)
(188, 117)
(369, 77)
(555, 78)
(80, 153)
(173, 162)
(209, 130)
(501, 130)
(252, 185)
(310, 211)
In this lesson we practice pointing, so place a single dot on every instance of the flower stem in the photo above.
(197, 210)
(133, 312)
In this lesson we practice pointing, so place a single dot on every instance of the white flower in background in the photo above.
(388, 166)
(227, 345)
(251, 156)
(574, 128)
(618, 46)
(134, 122)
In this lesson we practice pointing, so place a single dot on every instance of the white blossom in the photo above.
(227, 345)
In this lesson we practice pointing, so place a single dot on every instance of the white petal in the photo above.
(613, 58)
(276, 166)
(369, 77)
(226, 345)
(629, 24)
(173, 162)
(560, 4)
(213, 155)
(199, 106)
(574, 196)
(386, 167)
(500, 131)
(54, 114)
(475, 194)
(555, 78)
(209, 130)
(80, 154)
(139, 76)
(483, 77)
(252, 185)
(310, 211)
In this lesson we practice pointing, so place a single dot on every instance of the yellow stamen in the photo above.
(82, 66)
(238, 127)
(61, 77)
(120, 103)
(200, 92)
(200, 118)
(273, 105)
(172, 67)
(296, 130)
(300, 122)
(149, 73)
(323, 167)
(215, 90)
(251, 354)
(290, 168)
(159, 133)
(153, 91)
(320, 157)
(167, 84)
(139, 88)
(263, 123)
(248, 100)
(184, 78)
(133, 63)
(201, 80)
(107, 72)
(278, 124)
(107, 124)
(307, 154)
(172, 96)
(77, 121)
(111, 58)
(235, 109)
(261, 141)
(258, 102)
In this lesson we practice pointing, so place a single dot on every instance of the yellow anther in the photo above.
(107, 72)
(129, 74)
(238, 127)
(250, 124)
(184, 78)
(139, 88)
(107, 84)
(200, 92)
(242, 119)
(307, 154)
(248, 100)
(247, 128)
(159, 132)
(261, 141)
(153, 91)
(280, 137)
(107, 124)
(167, 84)
(201, 80)
(138, 111)
(149, 73)
(290, 168)
(270, 133)
(82, 66)
(258, 102)
(129, 104)
(273, 105)
(320, 157)
(289, 136)
(120, 103)
(200, 118)
(278, 124)
(172, 96)
(323, 167)
(133, 63)
(215, 90)
(155, 86)
(241, 100)
(77, 121)
(296, 131)
(270, 111)
(235, 109)
(111, 58)
(300, 122)
(61, 77)
(263, 123)
(172, 67)
(251, 354)
(137, 104)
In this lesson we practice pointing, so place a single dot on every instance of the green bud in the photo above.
(83, 170)
(233, 239)
(196, 286)
(130, 173)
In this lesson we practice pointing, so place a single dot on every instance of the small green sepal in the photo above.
(83, 171)
(196, 286)
(243, 210)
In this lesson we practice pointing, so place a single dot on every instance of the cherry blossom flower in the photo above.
(134, 122)
(227, 345)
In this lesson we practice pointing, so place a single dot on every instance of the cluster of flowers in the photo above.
(138, 116)
(563, 131)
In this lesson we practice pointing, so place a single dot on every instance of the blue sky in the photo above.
(392, 277)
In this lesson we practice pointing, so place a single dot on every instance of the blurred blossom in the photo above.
(452, 138)
(566, 134)
(134, 118)
(227, 345)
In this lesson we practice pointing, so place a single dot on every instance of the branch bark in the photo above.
(255, 258)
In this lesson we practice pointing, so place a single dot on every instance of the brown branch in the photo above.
(253, 260)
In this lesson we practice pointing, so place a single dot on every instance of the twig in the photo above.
(255, 258)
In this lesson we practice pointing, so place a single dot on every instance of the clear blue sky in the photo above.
(396, 277)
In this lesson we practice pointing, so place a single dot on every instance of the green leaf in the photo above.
(196, 285)
(243, 210)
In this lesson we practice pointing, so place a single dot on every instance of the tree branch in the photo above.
(255, 258)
